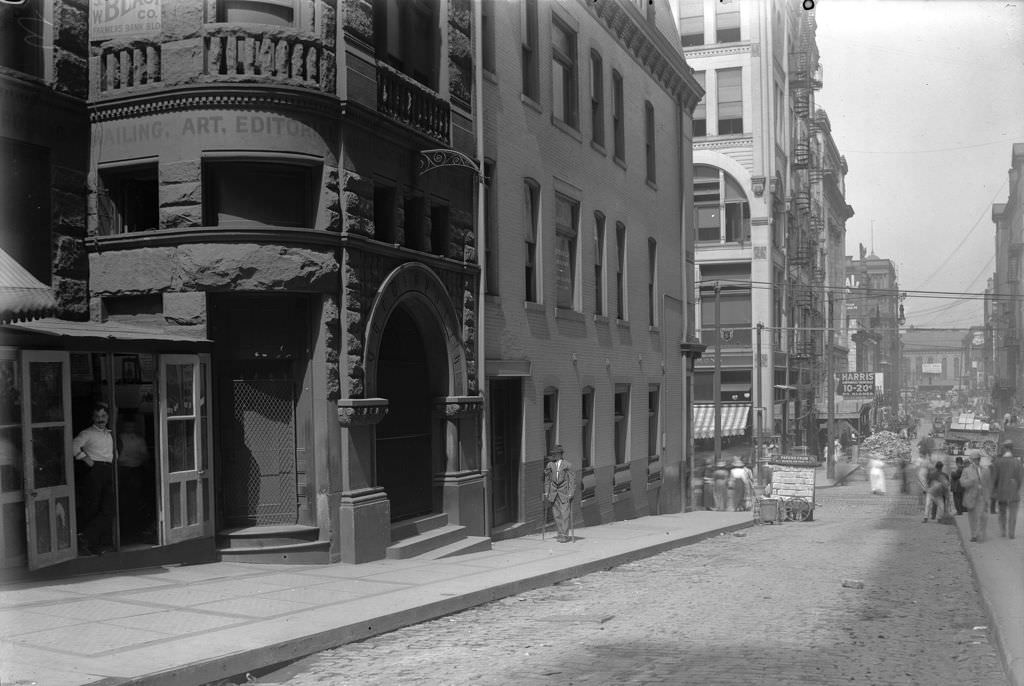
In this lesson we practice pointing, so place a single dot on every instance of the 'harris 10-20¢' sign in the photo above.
(857, 384)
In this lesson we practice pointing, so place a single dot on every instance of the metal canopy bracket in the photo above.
(428, 160)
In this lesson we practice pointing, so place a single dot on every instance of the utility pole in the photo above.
(717, 386)
(757, 406)
(830, 385)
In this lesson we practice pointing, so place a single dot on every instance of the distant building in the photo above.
(770, 215)
(874, 316)
(934, 359)
(1004, 311)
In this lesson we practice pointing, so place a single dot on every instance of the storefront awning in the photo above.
(114, 331)
(22, 296)
(734, 420)
(845, 408)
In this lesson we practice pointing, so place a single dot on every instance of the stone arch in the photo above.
(738, 172)
(421, 291)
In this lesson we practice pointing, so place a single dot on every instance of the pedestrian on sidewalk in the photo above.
(876, 474)
(976, 481)
(720, 485)
(740, 486)
(559, 489)
(1007, 478)
(936, 492)
(954, 485)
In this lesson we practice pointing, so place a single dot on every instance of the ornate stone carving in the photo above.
(361, 411)
(458, 406)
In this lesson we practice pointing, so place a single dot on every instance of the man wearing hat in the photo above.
(976, 480)
(740, 485)
(1007, 477)
(720, 485)
(559, 489)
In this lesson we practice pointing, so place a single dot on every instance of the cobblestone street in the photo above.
(766, 605)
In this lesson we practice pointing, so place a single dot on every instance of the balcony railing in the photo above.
(408, 102)
(128, 65)
(258, 53)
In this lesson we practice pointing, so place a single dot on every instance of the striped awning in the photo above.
(22, 296)
(734, 419)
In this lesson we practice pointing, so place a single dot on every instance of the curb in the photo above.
(1012, 664)
(253, 659)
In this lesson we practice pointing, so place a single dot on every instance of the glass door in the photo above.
(46, 441)
(184, 447)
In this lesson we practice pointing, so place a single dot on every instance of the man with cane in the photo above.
(559, 489)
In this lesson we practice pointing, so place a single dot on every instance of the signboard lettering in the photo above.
(794, 460)
(123, 18)
(931, 368)
(856, 384)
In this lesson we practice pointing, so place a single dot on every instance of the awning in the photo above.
(22, 296)
(114, 331)
(845, 408)
(734, 420)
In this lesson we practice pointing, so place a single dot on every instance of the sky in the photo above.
(925, 98)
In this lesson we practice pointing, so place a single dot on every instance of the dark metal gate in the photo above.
(262, 486)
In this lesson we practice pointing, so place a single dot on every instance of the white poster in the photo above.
(123, 18)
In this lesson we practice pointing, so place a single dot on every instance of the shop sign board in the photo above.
(931, 368)
(123, 18)
(855, 384)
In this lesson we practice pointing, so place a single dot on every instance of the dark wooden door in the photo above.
(505, 417)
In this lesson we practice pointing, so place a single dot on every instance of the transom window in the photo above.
(246, 193)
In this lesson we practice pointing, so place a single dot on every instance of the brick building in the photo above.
(588, 255)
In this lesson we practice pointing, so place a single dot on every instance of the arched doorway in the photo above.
(411, 371)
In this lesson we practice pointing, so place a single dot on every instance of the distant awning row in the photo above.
(734, 420)
(22, 296)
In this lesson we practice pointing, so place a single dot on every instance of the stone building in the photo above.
(761, 170)
(588, 249)
(281, 284)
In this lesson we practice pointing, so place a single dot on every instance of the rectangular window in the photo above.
(408, 37)
(652, 282)
(22, 26)
(531, 73)
(414, 219)
(596, 98)
(384, 214)
(618, 116)
(439, 230)
(649, 148)
(566, 223)
(491, 229)
(691, 22)
(565, 96)
(599, 248)
(700, 112)
(128, 199)
(550, 419)
(653, 434)
(487, 33)
(587, 429)
(247, 193)
(730, 101)
(621, 421)
(25, 180)
(531, 218)
(727, 21)
(620, 271)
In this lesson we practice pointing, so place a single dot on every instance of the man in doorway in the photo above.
(133, 466)
(559, 489)
(94, 445)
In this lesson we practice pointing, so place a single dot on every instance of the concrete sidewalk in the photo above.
(195, 624)
(998, 565)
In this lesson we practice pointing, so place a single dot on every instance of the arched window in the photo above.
(723, 213)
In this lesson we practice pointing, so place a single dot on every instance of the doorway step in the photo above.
(282, 544)
(431, 537)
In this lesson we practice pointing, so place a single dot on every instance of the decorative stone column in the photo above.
(461, 485)
(365, 511)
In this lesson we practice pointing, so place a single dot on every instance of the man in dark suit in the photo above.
(1007, 477)
(559, 489)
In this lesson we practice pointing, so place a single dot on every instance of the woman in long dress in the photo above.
(876, 473)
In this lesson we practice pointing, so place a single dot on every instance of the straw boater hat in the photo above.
(738, 463)
(720, 463)
(974, 455)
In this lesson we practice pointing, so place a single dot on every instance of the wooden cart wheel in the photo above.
(798, 510)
